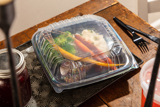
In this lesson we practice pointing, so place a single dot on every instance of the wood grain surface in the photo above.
(89, 7)
(126, 92)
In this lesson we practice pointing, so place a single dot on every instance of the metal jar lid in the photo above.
(4, 63)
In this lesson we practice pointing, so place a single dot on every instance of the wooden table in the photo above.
(126, 92)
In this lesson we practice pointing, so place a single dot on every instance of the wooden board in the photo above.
(126, 92)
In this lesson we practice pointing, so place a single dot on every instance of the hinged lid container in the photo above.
(81, 51)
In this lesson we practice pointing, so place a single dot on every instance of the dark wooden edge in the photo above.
(89, 7)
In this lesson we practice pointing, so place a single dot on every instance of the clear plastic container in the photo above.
(81, 51)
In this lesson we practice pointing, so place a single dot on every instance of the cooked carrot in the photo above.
(95, 50)
(86, 43)
(82, 46)
(87, 59)
(86, 49)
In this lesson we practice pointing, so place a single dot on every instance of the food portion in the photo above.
(82, 55)
(93, 40)
(65, 41)
(96, 43)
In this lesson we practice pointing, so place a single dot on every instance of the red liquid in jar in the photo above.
(25, 89)
(157, 88)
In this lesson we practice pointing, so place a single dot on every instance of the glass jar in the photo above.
(23, 78)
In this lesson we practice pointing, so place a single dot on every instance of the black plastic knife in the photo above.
(153, 38)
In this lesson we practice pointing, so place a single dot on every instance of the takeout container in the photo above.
(67, 64)
(145, 77)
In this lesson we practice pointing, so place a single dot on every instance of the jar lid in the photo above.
(4, 61)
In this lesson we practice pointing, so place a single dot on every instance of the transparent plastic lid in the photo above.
(80, 51)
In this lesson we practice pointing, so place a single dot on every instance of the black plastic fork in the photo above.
(139, 41)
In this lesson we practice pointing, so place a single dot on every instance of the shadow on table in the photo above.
(114, 91)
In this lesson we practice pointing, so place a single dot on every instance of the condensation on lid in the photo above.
(4, 60)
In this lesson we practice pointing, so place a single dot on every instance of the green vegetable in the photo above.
(49, 50)
(65, 41)
(69, 48)
(52, 56)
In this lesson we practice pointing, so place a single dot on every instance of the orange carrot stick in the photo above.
(87, 59)
(95, 50)
(70, 56)
(83, 47)
(86, 49)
